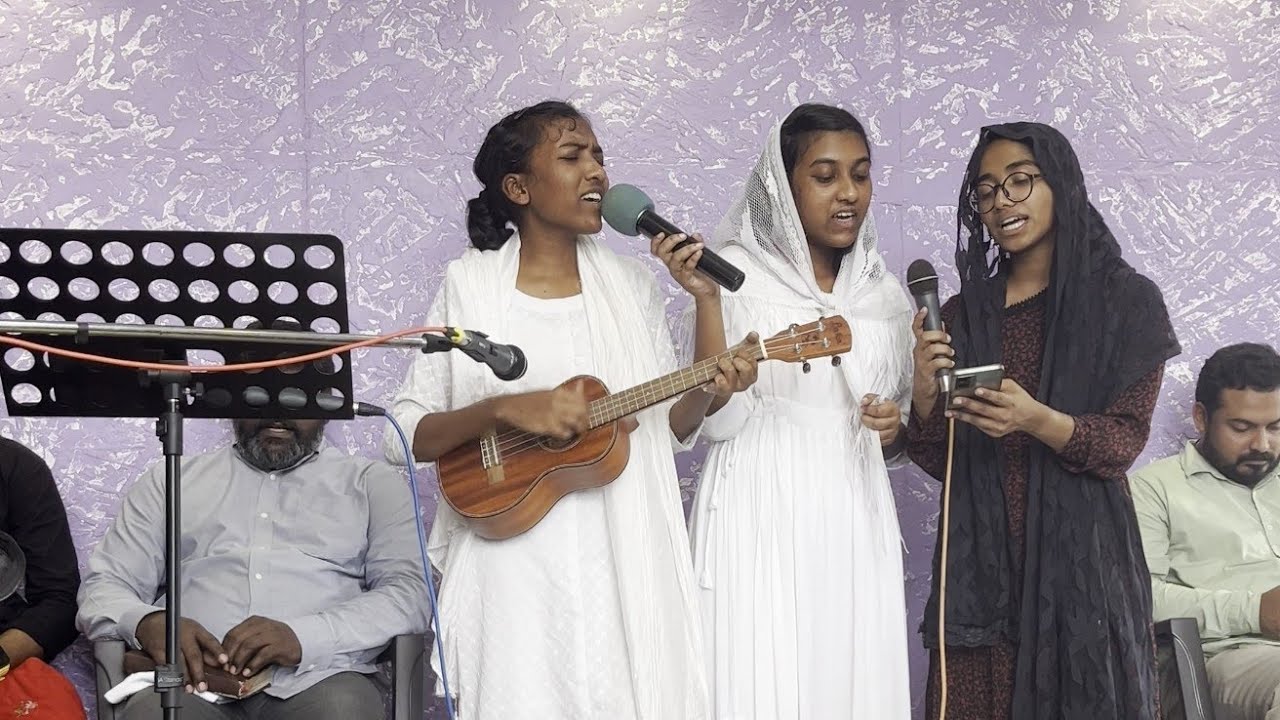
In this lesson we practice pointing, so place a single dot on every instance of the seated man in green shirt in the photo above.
(1210, 521)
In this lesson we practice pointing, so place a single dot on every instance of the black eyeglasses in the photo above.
(1017, 187)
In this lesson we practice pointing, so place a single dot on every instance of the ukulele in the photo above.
(503, 483)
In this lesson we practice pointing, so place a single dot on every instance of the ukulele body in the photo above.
(502, 493)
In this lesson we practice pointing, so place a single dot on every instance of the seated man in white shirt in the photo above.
(298, 560)
(1210, 522)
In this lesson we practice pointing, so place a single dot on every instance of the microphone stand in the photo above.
(428, 342)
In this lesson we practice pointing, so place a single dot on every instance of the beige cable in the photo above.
(942, 570)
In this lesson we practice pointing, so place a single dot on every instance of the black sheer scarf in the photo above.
(1082, 615)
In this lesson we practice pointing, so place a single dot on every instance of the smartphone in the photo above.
(967, 380)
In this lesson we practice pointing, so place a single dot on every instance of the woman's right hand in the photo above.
(561, 413)
(933, 352)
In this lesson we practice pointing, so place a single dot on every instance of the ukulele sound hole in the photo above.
(555, 445)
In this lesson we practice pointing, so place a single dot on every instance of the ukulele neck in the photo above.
(628, 402)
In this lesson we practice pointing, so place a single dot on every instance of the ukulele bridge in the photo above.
(491, 458)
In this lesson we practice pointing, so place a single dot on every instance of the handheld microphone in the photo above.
(629, 211)
(922, 281)
(506, 361)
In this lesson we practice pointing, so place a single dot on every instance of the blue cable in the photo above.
(422, 549)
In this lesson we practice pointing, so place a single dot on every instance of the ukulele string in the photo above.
(517, 441)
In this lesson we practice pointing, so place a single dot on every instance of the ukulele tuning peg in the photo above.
(806, 367)
(835, 361)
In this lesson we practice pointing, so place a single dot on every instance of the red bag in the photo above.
(35, 691)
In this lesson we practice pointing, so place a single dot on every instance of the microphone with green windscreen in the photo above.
(629, 211)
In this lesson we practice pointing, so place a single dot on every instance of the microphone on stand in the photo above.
(506, 361)
(629, 211)
(922, 281)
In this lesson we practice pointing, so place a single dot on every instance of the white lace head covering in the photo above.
(764, 222)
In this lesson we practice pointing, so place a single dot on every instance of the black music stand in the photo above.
(155, 279)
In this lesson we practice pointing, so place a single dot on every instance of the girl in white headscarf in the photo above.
(795, 535)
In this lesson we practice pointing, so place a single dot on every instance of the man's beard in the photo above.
(1236, 471)
(275, 453)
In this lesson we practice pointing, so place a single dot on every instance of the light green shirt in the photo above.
(1212, 545)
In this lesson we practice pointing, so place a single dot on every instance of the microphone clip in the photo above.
(453, 339)
(433, 343)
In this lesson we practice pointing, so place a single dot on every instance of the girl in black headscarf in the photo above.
(1048, 599)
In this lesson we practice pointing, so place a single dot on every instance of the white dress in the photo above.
(591, 613)
(796, 551)
(543, 636)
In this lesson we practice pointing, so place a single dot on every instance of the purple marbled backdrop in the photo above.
(360, 119)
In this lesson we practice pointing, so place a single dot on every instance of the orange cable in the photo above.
(202, 369)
